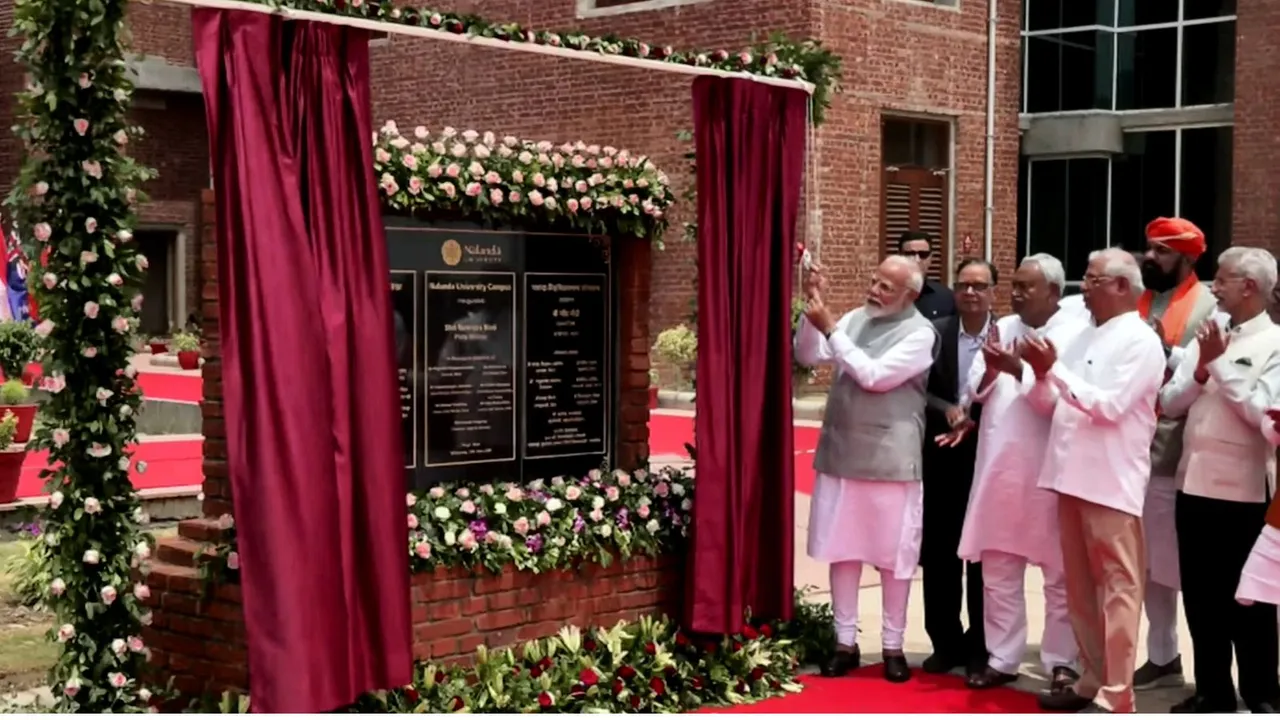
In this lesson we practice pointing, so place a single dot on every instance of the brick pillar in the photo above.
(633, 260)
(217, 486)
(1256, 155)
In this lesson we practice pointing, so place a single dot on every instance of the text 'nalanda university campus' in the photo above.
(633, 356)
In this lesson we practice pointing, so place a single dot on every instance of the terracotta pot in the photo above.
(10, 473)
(32, 374)
(189, 359)
(653, 397)
(159, 348)
(26, 418)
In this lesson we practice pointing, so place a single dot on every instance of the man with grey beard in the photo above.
(868, 496)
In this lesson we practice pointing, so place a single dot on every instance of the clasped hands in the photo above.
(1036, 351)
(1212, 341)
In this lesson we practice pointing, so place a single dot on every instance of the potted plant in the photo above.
(19, 346)
(678, 346)
(158, 345)
(13, 401)
(187, 346)
(12, 455)
(653, 389)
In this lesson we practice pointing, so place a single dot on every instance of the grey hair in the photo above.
(1050, 267)
(1253, 263)
(1120, 263)
(915, 281)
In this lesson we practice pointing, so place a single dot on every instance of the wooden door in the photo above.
(915, 199)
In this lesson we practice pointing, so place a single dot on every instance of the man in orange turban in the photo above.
(1176, 303)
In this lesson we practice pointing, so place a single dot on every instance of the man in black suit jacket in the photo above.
(948, 477)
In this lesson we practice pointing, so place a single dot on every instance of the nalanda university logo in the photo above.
(451, 252)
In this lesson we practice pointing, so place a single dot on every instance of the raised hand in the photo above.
(813, 280)
(819, 314)
(1040, 354)
(1213, 342)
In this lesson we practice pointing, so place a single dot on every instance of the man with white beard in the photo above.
(868, 496)
(1010, 522)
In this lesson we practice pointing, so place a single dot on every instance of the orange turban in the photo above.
(1180, 236)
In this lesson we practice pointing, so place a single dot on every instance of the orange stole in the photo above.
(1176, 316)
(1178, 313)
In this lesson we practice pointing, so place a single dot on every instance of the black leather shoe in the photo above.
(1064, 678)
(1064, 701)
(1199, 704)
(989, 677)
(839, 664)
(1264, 708)
(896, 669)
(940, 664)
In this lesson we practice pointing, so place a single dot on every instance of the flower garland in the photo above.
(509, 182)
(75, 195)
(552, 525)
(778, 56)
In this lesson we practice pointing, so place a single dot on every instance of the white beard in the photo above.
(879, 311)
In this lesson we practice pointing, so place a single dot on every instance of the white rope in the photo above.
(433, 34)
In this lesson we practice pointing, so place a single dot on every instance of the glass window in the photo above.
(1147, 12)
(1056, 14)
(1205, 189)
(1067, 210)
(1071, 71)
(1201, 9)
(1143, 185)
(1208, 63)
(1146, 69)
(907, 143)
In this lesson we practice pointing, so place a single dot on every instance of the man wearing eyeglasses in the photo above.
(1103, 391)
(936, 300)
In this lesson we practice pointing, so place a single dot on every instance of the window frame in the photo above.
(1115, 29)
(588, 8)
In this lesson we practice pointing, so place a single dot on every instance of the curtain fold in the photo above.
(750, 142)
(313, 438)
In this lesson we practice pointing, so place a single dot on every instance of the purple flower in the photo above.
(534, 543)
(578, 523)
(478, 528)
(539, 496)
(623, 520)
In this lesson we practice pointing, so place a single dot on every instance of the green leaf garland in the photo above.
(75, 198)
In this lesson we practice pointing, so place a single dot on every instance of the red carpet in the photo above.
(169, 464)
(669, 433)
(163, 386)
(866, 691)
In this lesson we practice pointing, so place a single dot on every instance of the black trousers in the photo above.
(1214, 541)
(948, 477)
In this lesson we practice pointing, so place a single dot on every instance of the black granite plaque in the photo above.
(566, 364)
(404, 309)
(470, 367)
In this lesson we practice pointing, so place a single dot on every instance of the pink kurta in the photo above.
(1007, 512)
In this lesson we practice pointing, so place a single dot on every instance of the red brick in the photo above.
(443, 629)
(501, 619)
(446, 610)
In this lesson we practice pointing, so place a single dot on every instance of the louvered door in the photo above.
(915, 199)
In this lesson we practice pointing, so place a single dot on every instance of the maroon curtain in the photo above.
(313, 424)
(750, 147)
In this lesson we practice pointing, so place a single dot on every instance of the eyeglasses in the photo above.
(1096, 280)
(963, 287)
(921, 254)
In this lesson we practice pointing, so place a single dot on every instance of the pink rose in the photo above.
(521, 526)
(550, 203)
(448, 189)
(90, 225)
(513, 196)
(473, 189)
(80, 125)
(422, 549)
(544, 518)
(434, 171)
(413, 521)
(468, 507)
(495, 196)
(91, 309)
(585, 203)
(535, 198)
(453, 170)
(43, 231)
(415, 185)
(410, 162)
(661, 489)
(492, 178)
(571, 204)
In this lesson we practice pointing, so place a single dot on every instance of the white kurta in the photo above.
(1007, 511)
(869, 521)
(1260, 580)
(1105, 387)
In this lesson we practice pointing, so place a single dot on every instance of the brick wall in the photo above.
(198, 638)
(906, 58)
(1256, 155)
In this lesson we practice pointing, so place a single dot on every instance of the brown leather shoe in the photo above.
(988, 678)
